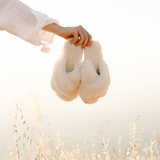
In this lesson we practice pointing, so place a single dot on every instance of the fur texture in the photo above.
(95, 78)
(65, 79)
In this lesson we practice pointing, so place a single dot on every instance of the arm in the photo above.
(37, 28)
(20, 20)
(80, 35)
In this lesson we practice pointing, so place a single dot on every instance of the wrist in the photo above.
(54, 28)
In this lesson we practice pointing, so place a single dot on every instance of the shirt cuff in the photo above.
(45, 38)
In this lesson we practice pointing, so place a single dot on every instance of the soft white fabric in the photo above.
(26, 23)
(65, 79)
(90, 79)
(95, 77)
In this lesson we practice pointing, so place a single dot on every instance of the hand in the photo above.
(79, 34)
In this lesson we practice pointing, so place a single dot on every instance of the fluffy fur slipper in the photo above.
(95, 78)
(65, 79)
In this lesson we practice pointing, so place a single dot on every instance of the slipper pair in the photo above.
(71, 77)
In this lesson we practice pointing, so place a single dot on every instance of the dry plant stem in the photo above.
(37, 143)
(64, 151)
(32, 136)
(49, 123)
(17, 146)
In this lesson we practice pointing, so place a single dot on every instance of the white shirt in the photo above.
(26, 23)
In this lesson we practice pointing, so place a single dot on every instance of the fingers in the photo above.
(90, 41)
(81, 37)
(76, 38)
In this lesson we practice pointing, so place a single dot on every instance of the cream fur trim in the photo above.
(95, 78)
(65, 79)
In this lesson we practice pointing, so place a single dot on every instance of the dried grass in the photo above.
(48, 149)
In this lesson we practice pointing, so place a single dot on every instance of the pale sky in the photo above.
(129, 32)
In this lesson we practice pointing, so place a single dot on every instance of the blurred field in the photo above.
(32, 146)
(129, 33)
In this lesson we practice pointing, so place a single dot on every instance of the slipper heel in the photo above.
(65, 78)
(95, 77)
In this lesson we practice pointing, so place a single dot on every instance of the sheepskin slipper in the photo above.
(65, 79)
(95, 77)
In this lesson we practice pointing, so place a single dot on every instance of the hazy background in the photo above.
(129, 32)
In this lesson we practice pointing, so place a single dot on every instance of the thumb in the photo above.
(75, 39)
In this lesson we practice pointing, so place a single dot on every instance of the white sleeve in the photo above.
(22, 21)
